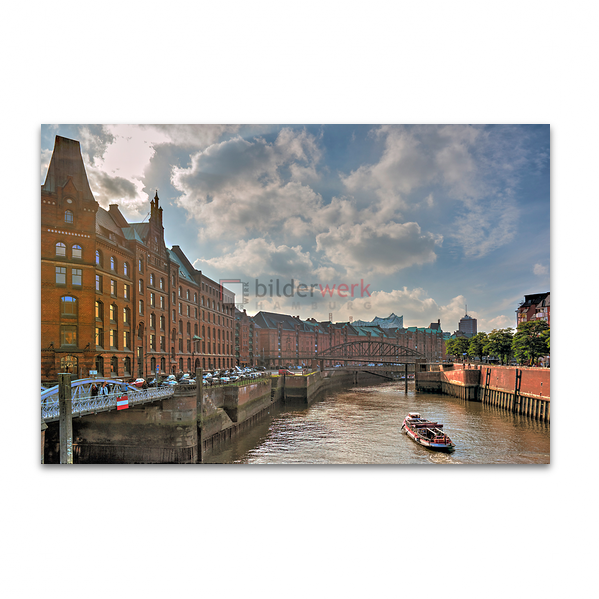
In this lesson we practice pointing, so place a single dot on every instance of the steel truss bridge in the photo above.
(83, 402)
(369, 350)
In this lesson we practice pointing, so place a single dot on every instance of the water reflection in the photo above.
(362, 426)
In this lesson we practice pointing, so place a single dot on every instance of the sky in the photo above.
(424, 221)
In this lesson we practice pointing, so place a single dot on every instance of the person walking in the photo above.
(94, 390)
(104, 390)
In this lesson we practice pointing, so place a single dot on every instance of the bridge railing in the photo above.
(83, 402)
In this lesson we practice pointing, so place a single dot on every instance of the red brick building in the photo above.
(115, 299)
(537, 306)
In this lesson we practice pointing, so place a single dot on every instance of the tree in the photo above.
(531, 341)
(477, 345)
(457, 346)
(499, 344)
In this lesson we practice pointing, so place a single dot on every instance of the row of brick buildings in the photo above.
(271, 339)
(115, 299)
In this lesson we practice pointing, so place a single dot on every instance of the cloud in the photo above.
(384, 249)
(241, 187)
(259, 258)
(540, 270)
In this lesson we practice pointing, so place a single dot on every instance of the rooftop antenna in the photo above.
(466, 309)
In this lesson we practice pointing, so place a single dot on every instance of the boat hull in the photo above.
(441, 447)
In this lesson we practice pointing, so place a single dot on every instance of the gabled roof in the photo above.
(104, 220)
(183, 272)
(67, 162)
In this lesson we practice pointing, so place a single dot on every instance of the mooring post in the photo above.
(65, 418)
(200, 411)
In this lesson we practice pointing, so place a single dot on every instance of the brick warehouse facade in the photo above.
(114, 298)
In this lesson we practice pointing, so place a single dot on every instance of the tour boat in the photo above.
(427, 433)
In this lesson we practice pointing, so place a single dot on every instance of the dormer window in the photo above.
(68, 217)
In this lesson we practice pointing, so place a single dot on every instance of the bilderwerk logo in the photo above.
(240, 288)
(277, 288)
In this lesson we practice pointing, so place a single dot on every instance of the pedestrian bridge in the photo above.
(83, 402)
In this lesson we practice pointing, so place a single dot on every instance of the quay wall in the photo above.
(522, 390)
(172, 430)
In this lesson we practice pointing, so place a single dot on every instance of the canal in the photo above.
(361, 425)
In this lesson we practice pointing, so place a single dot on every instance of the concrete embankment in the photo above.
(171, 430)
(520, 390)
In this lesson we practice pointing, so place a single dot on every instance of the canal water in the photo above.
(362, 425)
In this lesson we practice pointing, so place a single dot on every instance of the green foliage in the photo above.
(477, 345)
(457, 347)
(499, 344)
(531, 341)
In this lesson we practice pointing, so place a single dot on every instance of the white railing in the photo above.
(83, 402)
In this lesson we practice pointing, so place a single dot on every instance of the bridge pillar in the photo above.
(200, 412)
(65, 418)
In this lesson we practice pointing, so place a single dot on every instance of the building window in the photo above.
(77, 277)
(141, 306)
(61, 275)
(99, 310)
(152, 280)
(180, 291)
(195, 313)
(114, 365)
(127, 365)
(162, 302)
(174, 316)
(99, 283)
(162, 323)
(180, 308)
(114, 339)
(152, 321)
(68, 336)
(126, 269)
(113, 312)
(141, 286)
(140, 265)
(61, 249)
(161, 283)
(113, 287)
(162, 343)
(68, 307)
(153, 342)
(68, 217)
(152, 300)
(181, 345)
(188, 310)
(126, 291)
(98, 258)
(187, 294)
(195, 298)
(162, 364)
(76, 252)
(112, 263)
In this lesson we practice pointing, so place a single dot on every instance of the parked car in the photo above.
(284, 371)
(138, 383)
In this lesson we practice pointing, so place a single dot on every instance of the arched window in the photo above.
(127, 365)
(61, 249)
(161, 283)
(153, 364)
(68, 307)
(140, 330)
(112, 263)
(114, 365)
(126, 315)
(76, 252)
(187, 294)
(140, 265)
(126, 269)
(68, 217)
(162, 365)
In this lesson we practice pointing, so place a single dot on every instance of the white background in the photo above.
(156, 531)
